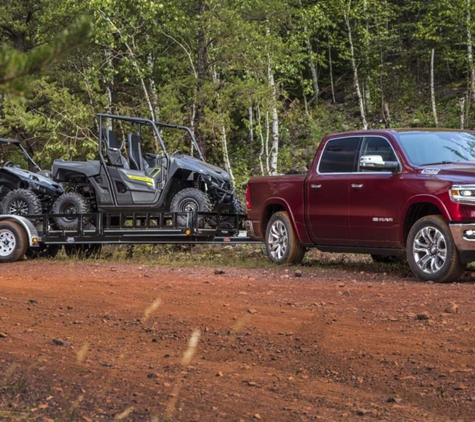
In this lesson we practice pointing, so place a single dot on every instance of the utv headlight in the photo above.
(463, 193)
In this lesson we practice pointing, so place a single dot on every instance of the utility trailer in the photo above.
(30, 235)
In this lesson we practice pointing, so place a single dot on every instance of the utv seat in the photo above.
(137, 161)
(114, 154)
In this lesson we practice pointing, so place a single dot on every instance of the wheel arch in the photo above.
(27, 225)
(422, 207)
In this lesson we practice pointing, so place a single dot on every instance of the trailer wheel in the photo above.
(83, 251)
(70, 203)
(431, 251)
(13, 241)
(282, 244)
(190, 200)
(21, 202)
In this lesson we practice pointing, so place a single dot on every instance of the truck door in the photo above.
(375, 199)
(327, 192)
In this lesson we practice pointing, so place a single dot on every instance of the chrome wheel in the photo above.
(429, 249)
(18, 207)
(7, 242)
(277, 240)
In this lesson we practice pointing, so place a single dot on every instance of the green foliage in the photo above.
(207, 64)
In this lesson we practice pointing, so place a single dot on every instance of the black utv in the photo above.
(124, 179)
(24, 192)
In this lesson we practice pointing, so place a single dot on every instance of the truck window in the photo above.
(339, 156)
(377, 145)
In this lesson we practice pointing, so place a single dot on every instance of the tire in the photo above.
(190, 200)
(70, 203)
(387, 259)
(83, 251)
(282, 244)
(13, 241)
(431, 251)
(21, 202)
(4, 189)
(228, 222)
(44, 251)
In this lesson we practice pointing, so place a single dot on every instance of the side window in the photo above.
(339, 156)
(378, 146)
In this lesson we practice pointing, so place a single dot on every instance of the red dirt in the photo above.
(351, 342)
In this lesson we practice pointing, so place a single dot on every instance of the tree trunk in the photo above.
(330, 68)
(355, 71)
(470, 50)
(251, 125)
(274, 152)
(462, 112)
(432, 88)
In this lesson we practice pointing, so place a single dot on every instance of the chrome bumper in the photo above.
(464, 238)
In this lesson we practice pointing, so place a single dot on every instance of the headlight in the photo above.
(463, 193)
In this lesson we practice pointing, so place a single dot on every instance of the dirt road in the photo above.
(101, 340)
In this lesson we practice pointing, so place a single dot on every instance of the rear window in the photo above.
(339, 156)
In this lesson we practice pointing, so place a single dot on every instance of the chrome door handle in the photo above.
(355, 186)
(315, 186)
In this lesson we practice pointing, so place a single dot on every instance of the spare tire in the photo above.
(21, 202)
(70, 203)
(190, 200)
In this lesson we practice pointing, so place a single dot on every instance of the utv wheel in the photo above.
(83, 251)
(189, 201)
(21, 202)
(13, 241)
(431, 251)
(71, 203)
(282, 244)
(228, 222)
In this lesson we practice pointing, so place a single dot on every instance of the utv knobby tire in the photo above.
(190, 200)
(13, 241)
(70, 203)
(227, 222)
(431, 251)
(21, 202)
(282, 244)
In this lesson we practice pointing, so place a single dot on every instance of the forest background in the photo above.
(259, 82)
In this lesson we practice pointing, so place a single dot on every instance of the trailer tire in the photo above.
(13, 241)
(21, 202)
(70, 203)
(190, 200)
(431, 251)
(282, 244)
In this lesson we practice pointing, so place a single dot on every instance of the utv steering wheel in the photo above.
(8, 164)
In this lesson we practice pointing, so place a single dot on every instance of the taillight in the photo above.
(248, 198)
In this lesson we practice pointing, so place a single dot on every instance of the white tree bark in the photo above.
(261, 136)
(274, 152)
(432, 88)
(470, 49)
(330, 68)
(355, 71)
(251, 124)
(462, 112)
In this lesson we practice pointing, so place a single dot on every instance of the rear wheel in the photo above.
(13, 241)
(282, 244)
(431, 251)
(190, 200)
(21, 202)
(71, 204)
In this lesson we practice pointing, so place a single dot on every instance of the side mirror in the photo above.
(376, 162)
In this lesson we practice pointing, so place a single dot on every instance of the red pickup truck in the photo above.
(389, 193)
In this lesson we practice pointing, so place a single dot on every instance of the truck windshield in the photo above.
(431, 148)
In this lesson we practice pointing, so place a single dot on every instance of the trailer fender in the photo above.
(27, 225)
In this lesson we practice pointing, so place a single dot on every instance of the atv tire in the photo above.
(190, 200)
(21, 202)
(70, 203)
(228, 222)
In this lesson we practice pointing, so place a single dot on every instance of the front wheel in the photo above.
(190, 200)
(21, 202)
(282, 244)
(431, 251)
(70, 204)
